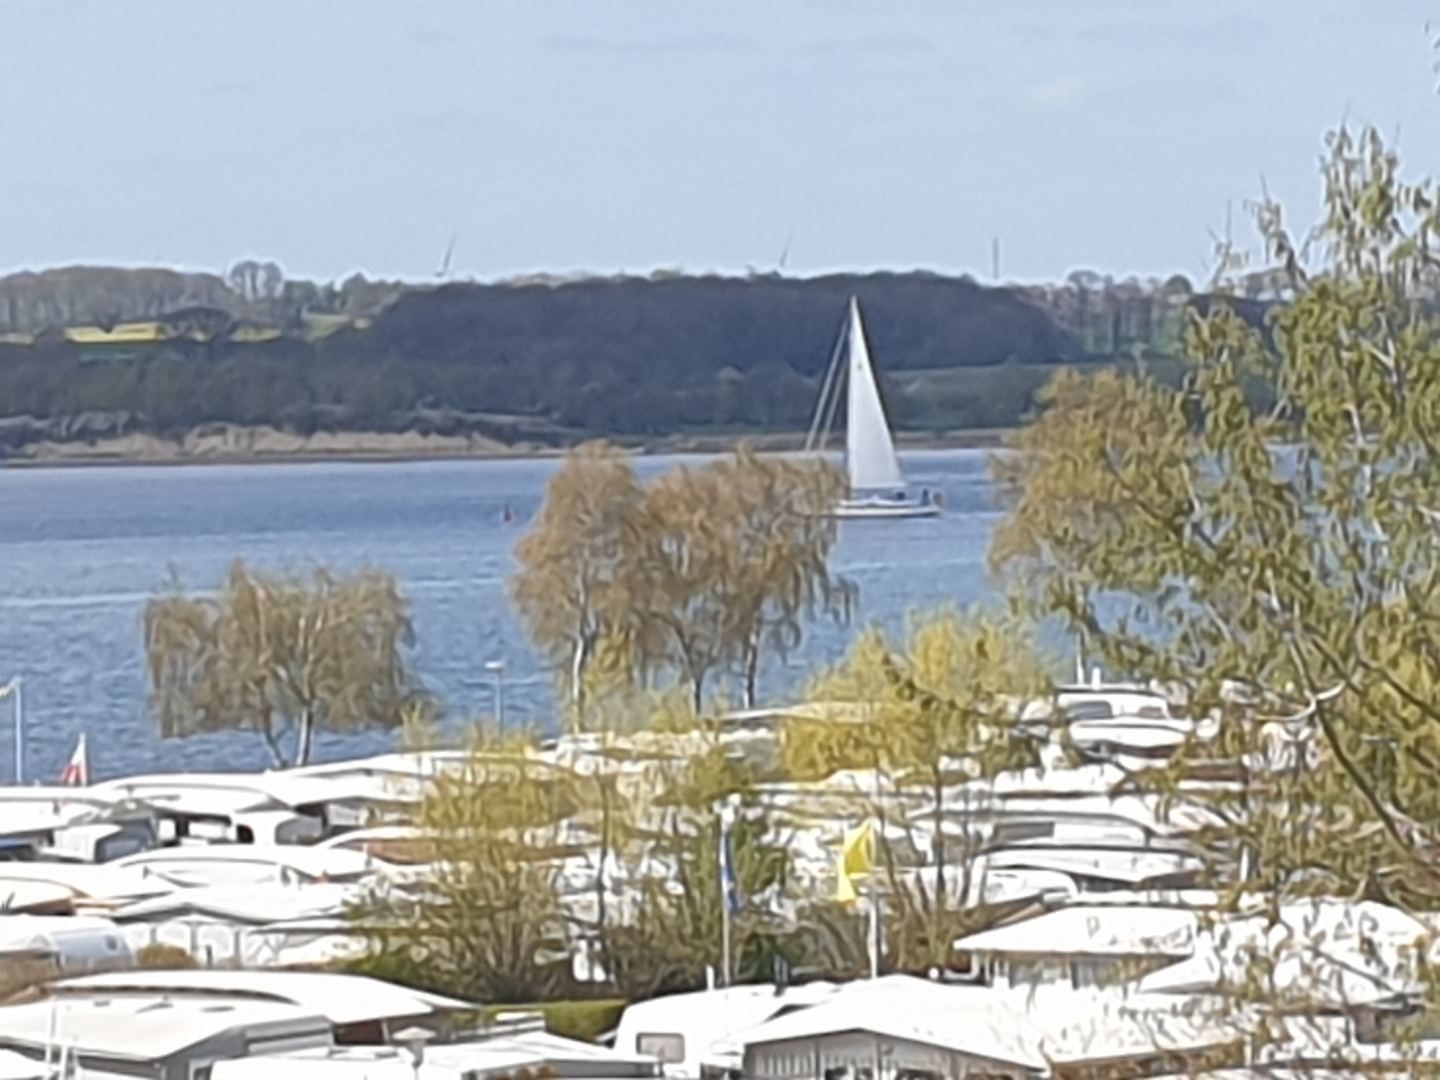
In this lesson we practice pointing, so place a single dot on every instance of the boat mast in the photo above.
(826, 407)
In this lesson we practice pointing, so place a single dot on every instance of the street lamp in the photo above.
(14, 690)
(497, 669)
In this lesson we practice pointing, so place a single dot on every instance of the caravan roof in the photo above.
(146, 1028)
(237, 863)
(980, 1022)
(341, 999)
(489, 1056)
(253, 904)
(1086, 930)
(708, 1020)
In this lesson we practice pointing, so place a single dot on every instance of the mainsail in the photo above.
(869, 450)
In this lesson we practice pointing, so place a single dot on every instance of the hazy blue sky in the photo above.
(606, 135)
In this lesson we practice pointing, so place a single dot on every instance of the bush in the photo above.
(584, 1020)
(164, 958)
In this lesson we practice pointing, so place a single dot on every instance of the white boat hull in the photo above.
(884, 509)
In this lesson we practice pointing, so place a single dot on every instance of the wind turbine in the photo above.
(449, 254)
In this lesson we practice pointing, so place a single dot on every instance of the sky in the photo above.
(622, 136)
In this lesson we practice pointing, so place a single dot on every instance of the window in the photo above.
(1089, 710)
(1011, 832)
(1038, 972)
(669, 1048)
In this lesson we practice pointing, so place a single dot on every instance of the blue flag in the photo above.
(728, 883)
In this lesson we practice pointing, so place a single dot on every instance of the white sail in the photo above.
(869, 450)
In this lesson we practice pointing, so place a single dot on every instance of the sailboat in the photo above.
(878, 488)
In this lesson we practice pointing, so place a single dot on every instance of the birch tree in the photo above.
(1265, 535)
(738, 560)
(932, 716)
(577, 583)
(282, 656)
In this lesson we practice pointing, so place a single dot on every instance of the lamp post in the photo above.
(497, 670)
(14, 690)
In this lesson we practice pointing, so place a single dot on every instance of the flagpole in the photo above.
(727, 821)
(19, 686)
(15, 692)
(876, 828)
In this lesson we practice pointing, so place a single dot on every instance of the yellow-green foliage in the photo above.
(1264, 540)
(584, 1020)
(159, 957)
(937, 712)
(948, 692)
(696, 574)
(280, 654)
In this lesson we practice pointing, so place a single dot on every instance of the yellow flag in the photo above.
(856, 857)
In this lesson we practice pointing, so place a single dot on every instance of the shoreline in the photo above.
(367, 448)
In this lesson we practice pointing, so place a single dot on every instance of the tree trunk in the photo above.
(306, 738)
(752, 667)
(602, 911)
(697, 691)
(937, 839)
(579, 661)
(276, 757)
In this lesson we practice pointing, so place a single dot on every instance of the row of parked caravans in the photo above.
(265, 864)
(103, 822)
(106, 821)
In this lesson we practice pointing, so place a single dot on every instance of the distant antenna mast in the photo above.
(995, 258)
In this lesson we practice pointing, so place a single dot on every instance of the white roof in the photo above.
(995, 1025)
(444, 1061)
(710, 1018)
(1132, 867)
(16, 896)
(104, 882)
(200, 794)
(334, 863)
(144, 1028)
(341, 999)
(1330, 950)
(1092, 931)
(15, 1066)
(225, 794)
(255, 904)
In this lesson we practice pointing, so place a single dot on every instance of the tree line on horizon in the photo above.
(553, 362)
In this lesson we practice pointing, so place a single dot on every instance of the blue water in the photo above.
(81, 549)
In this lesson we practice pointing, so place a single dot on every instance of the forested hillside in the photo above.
(87, 352)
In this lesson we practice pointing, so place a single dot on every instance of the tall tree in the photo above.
(578, 581)
(281, 656)
(489, 925)
(935, 718)
(1264, 537)
(737, 560)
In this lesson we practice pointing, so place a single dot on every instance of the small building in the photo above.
(901, 1028)
(1083, 946)
(693, 1035)
(154, 1037)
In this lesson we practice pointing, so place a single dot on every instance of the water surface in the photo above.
(81, 549)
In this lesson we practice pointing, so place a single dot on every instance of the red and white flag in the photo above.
(77, 770)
